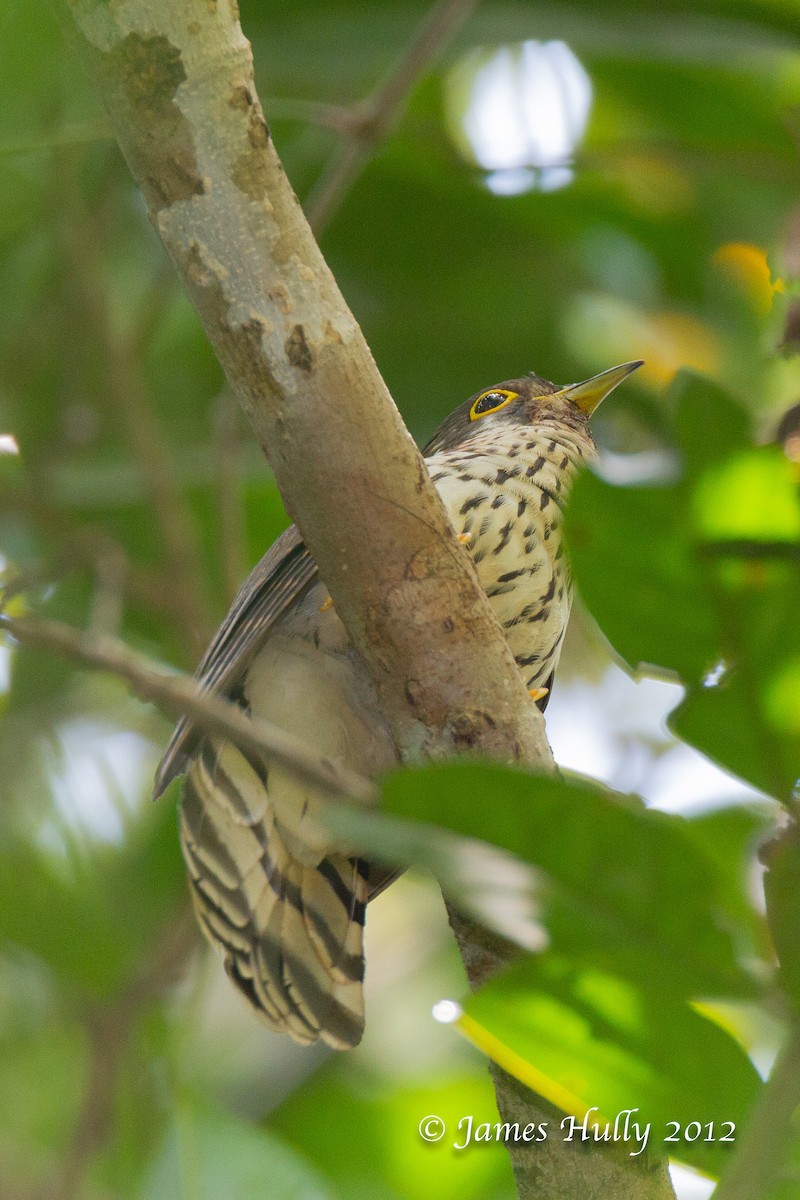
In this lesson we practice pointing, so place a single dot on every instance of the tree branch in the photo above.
(374, 118)
(180, 694)
(176, 78)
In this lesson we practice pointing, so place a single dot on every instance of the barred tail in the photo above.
(291, 933)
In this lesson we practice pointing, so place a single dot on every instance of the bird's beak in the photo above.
(587, 395)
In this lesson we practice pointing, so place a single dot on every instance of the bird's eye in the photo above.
(489, 402)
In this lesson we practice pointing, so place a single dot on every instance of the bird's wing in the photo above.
(284, 572)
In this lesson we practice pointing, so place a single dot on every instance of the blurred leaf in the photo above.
(627, 546)
(388, 1159)
(684, 577)
(632, 550)
(724, 722)
(92, 918)
(730, 836)
(619, 886)
(619, 1047)
(489, 884)
(208, 1155)
(750, 495)
(62, 924)
(45, 1057)
(145, 882)
(699, 406)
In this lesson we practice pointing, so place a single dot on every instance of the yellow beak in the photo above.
(587, 395)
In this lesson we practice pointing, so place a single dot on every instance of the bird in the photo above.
(272, 890)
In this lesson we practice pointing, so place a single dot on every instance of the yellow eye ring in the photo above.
(490, 401)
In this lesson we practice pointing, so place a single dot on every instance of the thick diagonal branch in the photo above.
(177, 80)
(180, 695)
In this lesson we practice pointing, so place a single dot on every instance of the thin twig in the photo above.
(378, 114)
(180, 694)
(341, 117)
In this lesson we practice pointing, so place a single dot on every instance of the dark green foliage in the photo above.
(702, 577)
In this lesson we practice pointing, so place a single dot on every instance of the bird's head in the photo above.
(530, 401)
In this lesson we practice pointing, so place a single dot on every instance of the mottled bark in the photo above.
(177, 81)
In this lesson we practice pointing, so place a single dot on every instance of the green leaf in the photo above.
(46, 1058)
(633, 551)
(702, 577)
(389, 1160)
(748, 719)
(594, 1041)
(60, 923)
(724, 723)
(752, 494)
(628, 889)
(731, 837)
(45, 98)
(622, 887)
(208, 1155)
(628, 550)
(92, 917)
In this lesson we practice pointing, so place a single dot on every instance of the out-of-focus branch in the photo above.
(108, 602)
(230, 510)
(179, 694)
(750, 548)
(85, 546)
(372, 120)
(110, 1027)
(129, 400)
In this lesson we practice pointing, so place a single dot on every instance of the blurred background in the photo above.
(564, 187)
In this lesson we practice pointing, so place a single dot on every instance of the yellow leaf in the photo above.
(747, 265)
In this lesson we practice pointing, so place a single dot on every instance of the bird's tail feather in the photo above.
(292, 934)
